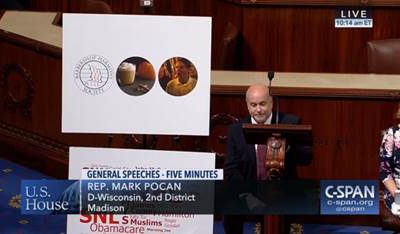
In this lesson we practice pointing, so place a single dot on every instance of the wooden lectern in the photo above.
(278, 138)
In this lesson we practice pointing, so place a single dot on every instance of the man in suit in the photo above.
(241, 162)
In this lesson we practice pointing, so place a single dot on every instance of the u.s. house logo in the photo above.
(93, 74)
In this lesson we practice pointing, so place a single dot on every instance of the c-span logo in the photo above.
(93, 74)
(349, 197)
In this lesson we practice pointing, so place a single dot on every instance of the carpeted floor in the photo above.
(12, 221)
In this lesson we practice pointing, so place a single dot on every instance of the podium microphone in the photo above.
(271, 75)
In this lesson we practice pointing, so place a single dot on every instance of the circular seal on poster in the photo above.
(93, 74)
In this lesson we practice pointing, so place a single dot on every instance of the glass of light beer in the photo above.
(127, 72)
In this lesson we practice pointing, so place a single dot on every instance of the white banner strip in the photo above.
(151, 174)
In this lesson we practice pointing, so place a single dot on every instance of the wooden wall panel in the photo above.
(319, 2)
(346, 135)
(223, 14)
(48, 5)
(277, 35)
(304, 39)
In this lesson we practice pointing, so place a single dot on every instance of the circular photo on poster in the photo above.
(135, 76)
(177, 76)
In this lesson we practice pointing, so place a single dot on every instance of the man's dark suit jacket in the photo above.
(241, 162)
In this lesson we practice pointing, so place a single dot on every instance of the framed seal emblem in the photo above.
(93, 74)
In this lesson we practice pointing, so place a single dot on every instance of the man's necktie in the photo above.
(261, 154)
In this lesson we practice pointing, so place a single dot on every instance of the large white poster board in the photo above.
(136, 74)
(129, 158)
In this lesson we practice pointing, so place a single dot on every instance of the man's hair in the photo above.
(184, 61)
(397, 115)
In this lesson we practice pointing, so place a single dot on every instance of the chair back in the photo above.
(95, 7)
(384, 56)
